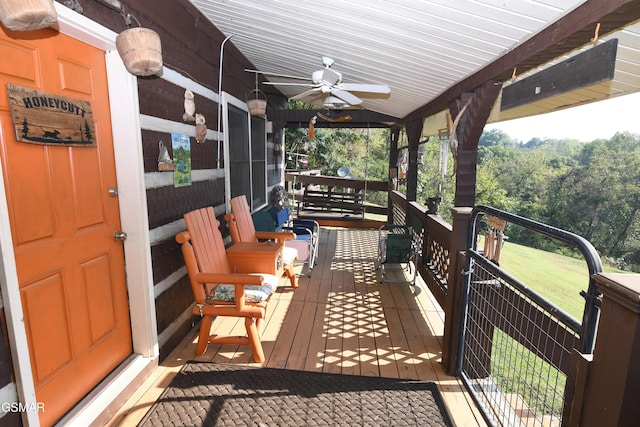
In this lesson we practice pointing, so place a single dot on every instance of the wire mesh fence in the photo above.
(516, 345)
(515, 352)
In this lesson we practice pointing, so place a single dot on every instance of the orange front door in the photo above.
(63, 218)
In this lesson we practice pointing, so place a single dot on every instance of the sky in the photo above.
(585, 123)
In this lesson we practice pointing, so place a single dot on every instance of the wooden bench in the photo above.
(332, 201)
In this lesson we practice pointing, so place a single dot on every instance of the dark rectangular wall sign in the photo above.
(585, 69)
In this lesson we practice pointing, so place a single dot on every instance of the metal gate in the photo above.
(516, 345)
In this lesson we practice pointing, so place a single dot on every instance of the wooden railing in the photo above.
(435, 242)
(319, 194)
(332, 200)
(441, 261)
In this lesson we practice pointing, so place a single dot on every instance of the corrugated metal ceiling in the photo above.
(418, 48)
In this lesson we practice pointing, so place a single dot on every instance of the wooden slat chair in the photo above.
(242, 229)
(218, 291)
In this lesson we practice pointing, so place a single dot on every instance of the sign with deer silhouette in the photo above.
(45, 118)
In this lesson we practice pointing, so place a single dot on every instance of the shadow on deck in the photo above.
(340, 320)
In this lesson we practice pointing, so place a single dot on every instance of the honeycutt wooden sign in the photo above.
(45, 118)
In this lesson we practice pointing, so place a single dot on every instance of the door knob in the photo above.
(120, 235)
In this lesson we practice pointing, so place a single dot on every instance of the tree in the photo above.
(25, 128)
(364, 151)
(591, 189)
(87, 132)
(599, 198)
(495, 137)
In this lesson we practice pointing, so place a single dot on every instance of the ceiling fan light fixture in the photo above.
(334, 102)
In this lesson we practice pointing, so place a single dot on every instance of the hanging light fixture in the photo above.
(27, 15)
(139, 48)
(257, 106)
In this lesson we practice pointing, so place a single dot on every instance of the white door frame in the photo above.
(127, 142)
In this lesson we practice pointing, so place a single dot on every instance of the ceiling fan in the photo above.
(326, 88)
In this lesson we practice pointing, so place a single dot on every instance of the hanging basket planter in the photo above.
(140, 50)
(257, 107)
(27, 15)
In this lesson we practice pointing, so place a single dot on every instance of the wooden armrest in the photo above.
(231, 279)
(183, 237)
(277, 235)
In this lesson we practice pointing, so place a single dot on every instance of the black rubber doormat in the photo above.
(213, 394)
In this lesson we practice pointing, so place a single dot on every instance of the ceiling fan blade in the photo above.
(347, 97)
(284, 76)
(363, 87)
(290, 84)
(306, 94)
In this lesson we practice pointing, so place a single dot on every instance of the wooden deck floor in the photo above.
(340, 320)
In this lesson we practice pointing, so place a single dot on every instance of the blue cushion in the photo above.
(263, 221)
(306, 223)
(282, 216)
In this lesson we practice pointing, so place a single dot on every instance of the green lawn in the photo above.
(556, 277)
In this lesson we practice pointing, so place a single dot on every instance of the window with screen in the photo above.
(245, 148)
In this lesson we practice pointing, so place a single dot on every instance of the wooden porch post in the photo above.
(453, 303)
(414, 130)
(474, 109)
(603, 389)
